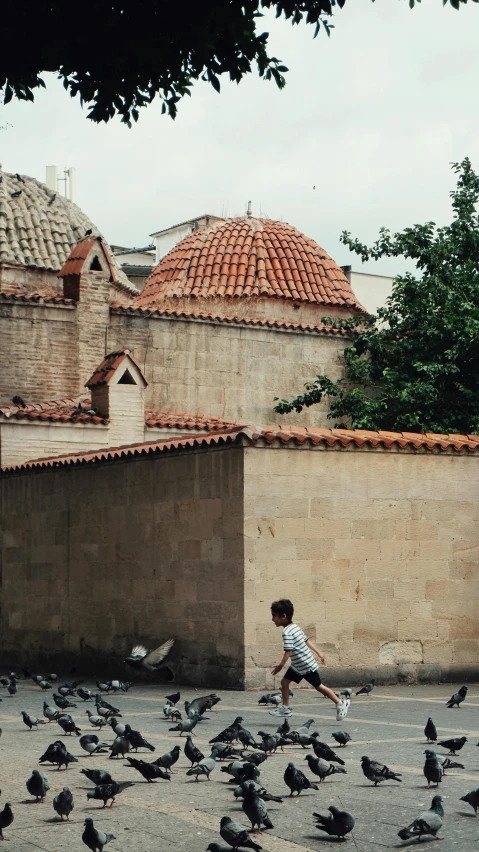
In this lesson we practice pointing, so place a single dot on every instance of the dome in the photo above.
(38, 228)
(246, 258)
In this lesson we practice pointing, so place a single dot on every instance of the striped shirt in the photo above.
(301, 660)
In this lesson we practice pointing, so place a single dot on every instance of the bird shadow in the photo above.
(467, 814)
(413, 842)
(324, 837)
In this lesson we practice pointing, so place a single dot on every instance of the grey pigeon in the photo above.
(193, 754)
(430, 731)
(284, 728)
(341, 737)
(32, 721)
(68, 725)
(116, 726)
(49, 713)
(427, 823)
(472, 799)
(51, 754)
(94, 838)
(377, 772)
(95, 720)
(37, 785)
(6, 819)
(84, 694)
(230, 734)
(269, 743)
(120, 745)
(256, 757)
(458, 697)
(447, 763)
(347, 692)
(336, 824)
(137, 740)
(97, 776)
(326, 752)
(63, 804)
(297, 780)
(61, 702)
(187, 726)
(166, 761)
(149, 771)
(202, 705)
(236, 835)
(433, 770)
(454, 744)
(367, 688)
(204, 767)
(246, 738)
(241, 770)
(322, 768)
(141, 658)
(172, 713)
(255, 809)
(104, 792)
(92, 745)
(226, 750)
(259, 790)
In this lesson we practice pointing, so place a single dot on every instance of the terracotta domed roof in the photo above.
(248, 257)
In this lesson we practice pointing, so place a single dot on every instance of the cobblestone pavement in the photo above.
(183, 816)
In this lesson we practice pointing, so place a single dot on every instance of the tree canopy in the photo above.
(118, 55)
(413, 366)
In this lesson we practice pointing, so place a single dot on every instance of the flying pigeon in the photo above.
(236, 835)
(254, 808)
(37, 785)
(140, 657)
(94, 838)
(297, 781)
(377, 772)
(433, 770)
(471, 798)
(367, 688)
(97, 776)
(322, 768)
(6, 819)
(430, 731)
(104, 792)
(336, 824)
(63, 804)
(458, 697)
(149, 771)
(426, 823)
(455, 744)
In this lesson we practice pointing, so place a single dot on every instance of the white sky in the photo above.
(372, 117)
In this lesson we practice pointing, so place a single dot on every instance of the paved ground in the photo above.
(182, 816)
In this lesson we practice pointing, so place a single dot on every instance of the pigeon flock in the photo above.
(114, 757)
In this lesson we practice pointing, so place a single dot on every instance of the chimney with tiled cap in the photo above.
(117, 390)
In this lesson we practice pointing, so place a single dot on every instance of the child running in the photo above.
(297, 651)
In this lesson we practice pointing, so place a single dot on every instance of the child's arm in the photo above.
(283, 662)
(320, 656)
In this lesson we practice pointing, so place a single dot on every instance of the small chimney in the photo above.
(249, 211)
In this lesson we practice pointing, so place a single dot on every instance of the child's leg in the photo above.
(285, 691)
(325, 690)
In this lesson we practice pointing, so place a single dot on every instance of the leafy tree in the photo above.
(414, 365)
(118, 55)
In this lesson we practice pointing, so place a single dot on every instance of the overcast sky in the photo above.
(371, 117)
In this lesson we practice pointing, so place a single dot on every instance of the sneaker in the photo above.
(342, 709)
(280, 711)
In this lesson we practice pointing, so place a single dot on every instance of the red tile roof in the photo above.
(247, 257)
(79, 253)
(108, 367)
(253, 322)
(36, 298)
(56, 411)
(189, 422)
(267, 435)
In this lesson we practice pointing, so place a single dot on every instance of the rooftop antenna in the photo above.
(69, 181)
(249, 211)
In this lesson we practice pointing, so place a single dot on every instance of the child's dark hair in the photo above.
(283, 607)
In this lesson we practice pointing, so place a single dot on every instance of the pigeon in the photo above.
(66, 690)
(88, 232)
(84, 694)
(64, 758)
(12, 687)
(92, 745)
(446, 762)
(104, 685)
(173, 699)
(455, 744)
(68, 725)
(187, 726)
(201, 705)
(37, 785)
(367, 688)
(271, 698)
(17, 400)
(6, 819)
(149, 771)
(19, 177)
(100, 702)
(52, 199)
(120, 745)
(347, 692)
(44, 685)
(104, 792)
(236, 835)
(94, 838)
(169, 759)
(269, 743)
(51, 754)
(433, 770)
(471, 798)
(323, 750)
(256, 757)
(141, 658)
(236, 767)
(97, 776)
(170, 712)
(303, 730)
(193, 754)
(136, 739)
(341, 737)
(95, 720)
(296, 780)
(227, 751)
(16, 193)
(377, 772)
(458, 697)
(63, 804)
(31, 721)
(284, 728)
(255, 809)
(116, 726)
(246, 738)
(337, 824)
(204, 767)
(430, 731)
(322, 768)
(429, 822)
(61, 702)
(230, 734)
(259, 789)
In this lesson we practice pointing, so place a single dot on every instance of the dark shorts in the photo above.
(312, 677)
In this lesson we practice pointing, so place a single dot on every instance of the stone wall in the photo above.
(379, 552)
(227, 370)
(99, 558)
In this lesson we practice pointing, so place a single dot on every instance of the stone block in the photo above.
(356, 549)
(380, 590)
(401, 651)
(437, 652)
(427, 569)
(379, 569)
(410, 590)
(465, 651)
(422, 530)
(314, 549)
(373, 529)
(358, 653)
(412, 628)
